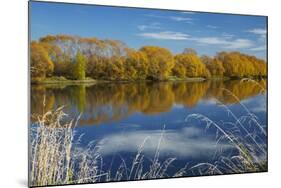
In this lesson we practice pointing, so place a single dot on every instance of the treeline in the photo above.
(77, 58)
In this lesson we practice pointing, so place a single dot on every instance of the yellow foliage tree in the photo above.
(160, 62)
(136, 65)
(192, 65)
(113, 60)
(40, 63)
(214, 66)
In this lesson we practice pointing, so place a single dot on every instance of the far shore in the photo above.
(90, 81)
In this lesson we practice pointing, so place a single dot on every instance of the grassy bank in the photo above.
(88, 80)
(62, 80)
(65, 81)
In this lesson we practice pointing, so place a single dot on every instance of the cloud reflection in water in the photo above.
(185, 142)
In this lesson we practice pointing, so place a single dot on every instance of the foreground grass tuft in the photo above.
(54, 160)
(246, 134)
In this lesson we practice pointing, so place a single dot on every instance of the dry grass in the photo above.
(52, 157)
(55, 160)
(246, 134)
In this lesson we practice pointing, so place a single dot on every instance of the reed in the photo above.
(55, 159)
(52, 157)
(250, 145)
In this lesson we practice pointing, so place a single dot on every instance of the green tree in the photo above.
(79, 66)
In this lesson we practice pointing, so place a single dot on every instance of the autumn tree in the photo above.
(259, 66)
(114, 69)
(40, 63)
(136, 65)
(76, 57)
(68, 44)
(179, 70)
(241, 65)
(160, 62)
(62, 49)
(96, 67)
(214, 65)
(189, 51)
(63, 66)
(191, 64)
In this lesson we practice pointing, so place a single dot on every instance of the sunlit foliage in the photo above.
(136, 65)
(160, 62)
(240, 65)
(74, 57)
(40, 62)
(79, 66)
(214, 66)
(190, 64)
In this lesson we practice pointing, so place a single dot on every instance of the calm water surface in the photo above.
(120, 116)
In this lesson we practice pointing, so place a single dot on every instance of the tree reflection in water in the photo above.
(114, 101)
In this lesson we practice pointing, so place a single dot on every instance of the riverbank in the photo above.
(63, 80)
(88, 80)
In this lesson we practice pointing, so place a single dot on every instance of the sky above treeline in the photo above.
(207, 33)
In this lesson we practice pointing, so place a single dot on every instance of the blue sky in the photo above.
(206, 33)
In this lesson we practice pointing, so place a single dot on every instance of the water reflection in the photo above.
(191, 142)
(110, 102)
(165, 129)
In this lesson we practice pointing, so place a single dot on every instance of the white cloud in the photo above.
(240, 43)
(212, 26)
(227, 43)
(166, 35)
(174, 18)
(227, 35)
(211, 40)
(149, 26)
(261, 33)
(259, 48)
(258, 31)
(188, 12)
(154, 16)
(142, 27)
(181, 19)
(177, 18)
